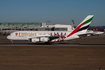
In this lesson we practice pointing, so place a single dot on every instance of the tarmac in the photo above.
(86, 53)
(42, 44)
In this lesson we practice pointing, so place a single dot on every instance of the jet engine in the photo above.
(34, 40)
(41, 39)
(44, 39)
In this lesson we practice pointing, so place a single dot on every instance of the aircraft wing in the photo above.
(91, 33)
(50, 37)
(94, 33)
(54, 37)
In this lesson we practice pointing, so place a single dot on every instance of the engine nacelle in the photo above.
(44, 39)
(34, 40)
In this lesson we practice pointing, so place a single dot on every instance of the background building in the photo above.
(7, 28)
(21, 26)
(56, 27)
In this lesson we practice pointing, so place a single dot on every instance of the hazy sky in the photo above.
(56, 11)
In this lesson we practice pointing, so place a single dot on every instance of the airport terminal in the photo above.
(20, 26)
(11, 27)
(40, 26)
(34, 26)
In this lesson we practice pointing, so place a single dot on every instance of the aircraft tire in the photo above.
(51, 43)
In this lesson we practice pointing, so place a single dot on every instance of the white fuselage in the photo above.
(27, 35)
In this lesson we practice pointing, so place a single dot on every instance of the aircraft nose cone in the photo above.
(8, 37)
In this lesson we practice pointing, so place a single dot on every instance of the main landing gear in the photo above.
(51, 43)
(11, 41)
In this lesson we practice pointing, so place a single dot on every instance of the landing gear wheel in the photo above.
(51, 43)
(37, 42)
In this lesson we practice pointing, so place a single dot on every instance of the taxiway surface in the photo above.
(81, 54)
(42, 44)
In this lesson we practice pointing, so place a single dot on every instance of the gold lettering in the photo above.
(31, 34)
(34, 34)
(19, 34)
(27, 34)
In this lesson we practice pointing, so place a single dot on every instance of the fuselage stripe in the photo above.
(83, 28)
(76, 29)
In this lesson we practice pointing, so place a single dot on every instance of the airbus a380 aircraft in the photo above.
(51, 36)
